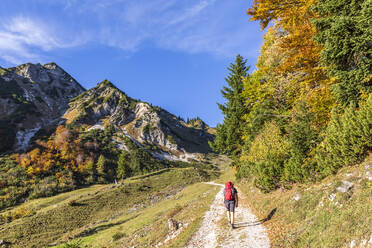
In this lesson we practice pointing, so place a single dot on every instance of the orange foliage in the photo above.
(65, 149)
(297, 64)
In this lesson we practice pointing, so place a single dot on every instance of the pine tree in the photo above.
(302, 139)
(348, 138)
(344, 31)
(123, 168)
(228, 136)
(101, 165)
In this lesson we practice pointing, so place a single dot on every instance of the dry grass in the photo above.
(71, 115)
(314, 220)
(102, 212)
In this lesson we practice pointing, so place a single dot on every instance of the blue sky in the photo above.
(172, 54)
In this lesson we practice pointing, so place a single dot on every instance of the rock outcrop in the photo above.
(32, 97)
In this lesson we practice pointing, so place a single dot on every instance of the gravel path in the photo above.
(248, 231)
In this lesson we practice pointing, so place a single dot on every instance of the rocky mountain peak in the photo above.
(143, 123)
(53, 66)
(32, 97)
(196, 123)
(37, 73)
(106, 84)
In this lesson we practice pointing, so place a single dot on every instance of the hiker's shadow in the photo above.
(255, 223)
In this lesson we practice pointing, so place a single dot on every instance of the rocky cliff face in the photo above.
(32, 97)
(151, 127)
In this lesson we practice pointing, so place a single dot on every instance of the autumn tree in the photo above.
(297, 55)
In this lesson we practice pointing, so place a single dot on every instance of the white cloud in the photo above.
(24, 38)
(192, 26)
(191, 12)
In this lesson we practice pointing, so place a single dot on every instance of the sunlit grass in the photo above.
(99, 212)
(314, 220)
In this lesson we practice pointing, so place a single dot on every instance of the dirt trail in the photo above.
(248, 231)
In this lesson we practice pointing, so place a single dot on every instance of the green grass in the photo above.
(101, 212)
(2, 71)
(149, 226)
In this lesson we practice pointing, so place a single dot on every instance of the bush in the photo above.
(171, 213)
(13, 183)
(266, 157)
(118, 236)
(75, 244)
(46, 187)
(348, 139)
(18, 213)
(171, 139)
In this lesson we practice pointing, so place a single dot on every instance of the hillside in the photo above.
(334, 212)
(133, 213)
(171, 208)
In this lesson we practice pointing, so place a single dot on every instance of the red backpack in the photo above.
(228, 191)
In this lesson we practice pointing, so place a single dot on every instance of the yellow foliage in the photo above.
(21, 212)
(289, 59)
(30, 170)
(64, 148)
(269, 142)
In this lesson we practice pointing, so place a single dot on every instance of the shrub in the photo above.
(75, 244)
(46, 187)
(348, 138)
(18, 213)
(171, 213)
(13, 183)
(118, 236)
(171, 139)
(73, 203)
(265, 158)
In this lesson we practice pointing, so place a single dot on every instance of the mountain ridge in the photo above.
(147, 124)
(37, 98)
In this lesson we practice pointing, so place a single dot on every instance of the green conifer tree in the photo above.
(123, 170)
(348, 138)
(344, 31)
(228, 136)
(101, 165)
(302, 139)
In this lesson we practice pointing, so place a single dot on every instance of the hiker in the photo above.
(231, 201)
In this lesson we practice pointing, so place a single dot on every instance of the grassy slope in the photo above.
(314, 220)
(135, 213)
(132, 206)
